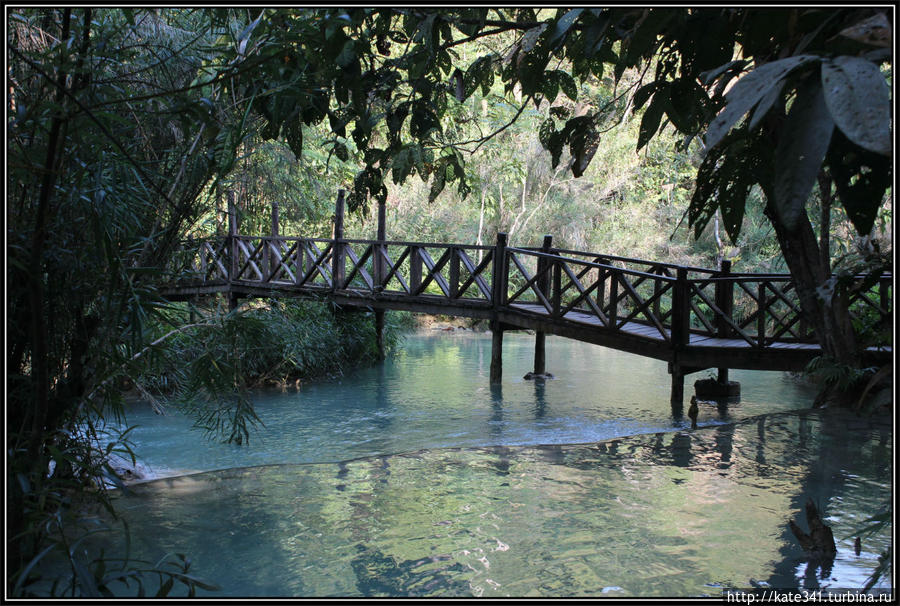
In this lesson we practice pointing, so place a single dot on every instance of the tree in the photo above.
(782, 99)
(110, 148)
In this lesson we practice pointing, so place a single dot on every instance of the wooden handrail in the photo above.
(568, 285)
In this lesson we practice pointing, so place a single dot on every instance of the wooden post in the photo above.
(613, 311)
(556, 293)
(681, 318)
(496, 352)
(601, 285)
(379, 251)
(274, 244)
(498, 296)
(681, 311)
(233, 249)
(543, 284)
(498, 286)
(677, 391)
(275, 226)
(415, 270)
(454, 272)
(761, 316)
(337, 248)
(657, 286)
(724, 301)
(378, 270)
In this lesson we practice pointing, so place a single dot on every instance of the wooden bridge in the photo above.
(690, 317)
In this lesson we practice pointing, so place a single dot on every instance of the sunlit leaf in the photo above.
(748, 91)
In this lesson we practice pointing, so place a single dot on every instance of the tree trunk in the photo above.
(824, 307)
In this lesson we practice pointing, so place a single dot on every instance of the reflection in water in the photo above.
(683, 513)
(416, 478)
(540, 401)
(435, 394)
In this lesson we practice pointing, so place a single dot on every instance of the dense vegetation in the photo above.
(129, 128)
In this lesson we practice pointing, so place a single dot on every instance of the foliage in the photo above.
(386, 79)
(208, 367)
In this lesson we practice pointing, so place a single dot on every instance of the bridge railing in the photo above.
(664, 301)
(600, 293)
(451, 271)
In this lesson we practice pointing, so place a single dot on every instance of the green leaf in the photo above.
(748, 91)
(165, 588)
(583, 142)
(550, 86)
(644, 38)
(564, 24)
(644, 93)
(440, 178)
(800, 152)
(459, 88)
(347, 54)
(530, 38)
(340, 150)
(652, 117)
(767, 102)
(531, 73)
(555, 145)
(547, 129)
(859, 100)
(401, 165)
(249, 29)
(725, 178)
(861, 178)
(568, 85)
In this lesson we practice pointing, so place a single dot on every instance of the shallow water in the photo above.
(416, 479)
(435, 393)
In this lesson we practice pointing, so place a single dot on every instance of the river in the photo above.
(416, 478)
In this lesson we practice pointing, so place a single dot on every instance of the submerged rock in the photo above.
(532, 376)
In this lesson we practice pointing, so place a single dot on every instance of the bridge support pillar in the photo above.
(543, 283)
(677, 391)
(496, 352)
(540, 366)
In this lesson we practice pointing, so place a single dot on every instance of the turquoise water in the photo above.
(435, 393)
(414, 478)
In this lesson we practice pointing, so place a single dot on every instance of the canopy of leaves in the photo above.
(385, 79)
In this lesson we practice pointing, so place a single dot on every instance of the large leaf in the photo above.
(800, 152)
(652, 116)
(767, 102)
(859, 101)
(583, 142)
(568, 85)
(748, 91)
(861, 178)
(531, 72)
(564, 24)
(724, 180)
